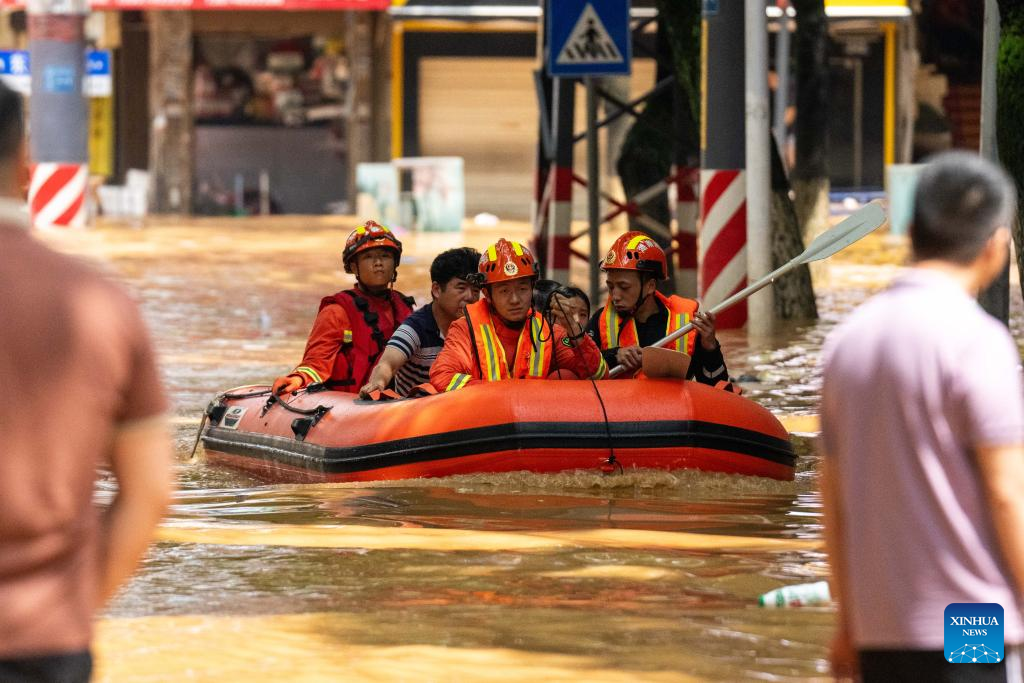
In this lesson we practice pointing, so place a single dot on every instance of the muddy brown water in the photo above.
(642, 576)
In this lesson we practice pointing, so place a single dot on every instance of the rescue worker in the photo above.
(352, 326)
(503, 337)
(638, 315)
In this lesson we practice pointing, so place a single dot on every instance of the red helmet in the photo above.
(370, 235)
(504, 261)
(636, 251)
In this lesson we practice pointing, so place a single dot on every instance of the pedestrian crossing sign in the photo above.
(588, 37)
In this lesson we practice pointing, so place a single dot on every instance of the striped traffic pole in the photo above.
(58, 113)
(722, 242)
(723, 232)
(559, 249)
(56, 195)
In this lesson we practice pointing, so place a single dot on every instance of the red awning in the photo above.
(228, 4)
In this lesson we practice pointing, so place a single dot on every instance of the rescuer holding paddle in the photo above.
(638, 315)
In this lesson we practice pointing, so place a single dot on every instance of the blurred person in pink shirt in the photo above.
(922, 415)
(82, 392)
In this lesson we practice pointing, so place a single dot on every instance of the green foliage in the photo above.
(1010, 107)
(682, 22)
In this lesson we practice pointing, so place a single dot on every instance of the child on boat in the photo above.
(558, 303)
(353, 326)
(638, 315)
(503, 337)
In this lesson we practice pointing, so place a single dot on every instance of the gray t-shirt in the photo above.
(913, 381)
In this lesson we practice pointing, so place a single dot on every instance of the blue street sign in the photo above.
(15, 72)
(99, 80)
(59, 78)
(588, 37)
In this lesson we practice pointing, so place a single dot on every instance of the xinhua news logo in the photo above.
(974, 633)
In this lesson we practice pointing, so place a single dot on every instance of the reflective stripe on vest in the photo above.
(615, 333)
(459, 380)
(360, 346)
(529, 361)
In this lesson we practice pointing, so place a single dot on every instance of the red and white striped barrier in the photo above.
(722, 241)
(56, 195)
(687, 211)
(560, 224)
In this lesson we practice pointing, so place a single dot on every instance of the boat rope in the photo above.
(254, 394)
(612, 461)
(563, 291)
(299, 411)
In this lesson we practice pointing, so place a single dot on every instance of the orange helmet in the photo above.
(504, 261)
(370, 235)
(636, 251)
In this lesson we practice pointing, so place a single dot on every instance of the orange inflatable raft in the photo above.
(535, 425)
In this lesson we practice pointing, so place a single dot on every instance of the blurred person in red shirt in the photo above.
(84, 392)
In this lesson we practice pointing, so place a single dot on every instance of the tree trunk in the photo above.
(171, 143)
(1010, 107)
(794, 294)
(359, 133)
(810, 173)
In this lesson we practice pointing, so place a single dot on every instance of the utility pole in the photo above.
(723, 189)
(996, 298)
(761, 306)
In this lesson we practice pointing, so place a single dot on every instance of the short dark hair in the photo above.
(12, 123)
(454, 263)
(543, 289)
(960, 201)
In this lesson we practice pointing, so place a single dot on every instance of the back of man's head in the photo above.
(961, 200)
(454, 263)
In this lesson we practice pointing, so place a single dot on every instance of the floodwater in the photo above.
(642, 576)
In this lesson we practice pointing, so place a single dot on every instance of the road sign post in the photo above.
(586, 38)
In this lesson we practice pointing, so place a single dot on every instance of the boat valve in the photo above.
(610, 464)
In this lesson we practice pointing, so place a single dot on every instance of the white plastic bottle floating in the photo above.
(798, 595)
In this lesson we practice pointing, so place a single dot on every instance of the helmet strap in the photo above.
(641, 298)
(382, 292)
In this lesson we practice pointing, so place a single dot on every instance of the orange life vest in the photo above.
(533, 350)
(616, 333)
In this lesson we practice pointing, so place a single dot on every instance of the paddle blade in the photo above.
(658, 362)
(864, 220)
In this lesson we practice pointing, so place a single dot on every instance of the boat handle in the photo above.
(302, 425)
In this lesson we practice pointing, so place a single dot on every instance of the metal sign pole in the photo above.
(760, 307)
(593, 188)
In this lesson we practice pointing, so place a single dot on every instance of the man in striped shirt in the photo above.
(415, 344)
